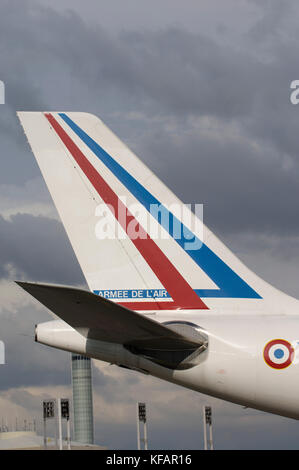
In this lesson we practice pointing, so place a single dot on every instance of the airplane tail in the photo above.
(136, 243)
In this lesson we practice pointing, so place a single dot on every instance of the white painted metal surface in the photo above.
(252, 328)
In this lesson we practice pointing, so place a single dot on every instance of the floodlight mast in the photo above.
(59, 409)
(207, 421)
(65, 413)
(48, 413)
(138, 426)
(59, 423)
(141, 417)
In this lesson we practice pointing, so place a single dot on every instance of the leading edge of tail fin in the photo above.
(108, 199)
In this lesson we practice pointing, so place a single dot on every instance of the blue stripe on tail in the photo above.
(229, 283)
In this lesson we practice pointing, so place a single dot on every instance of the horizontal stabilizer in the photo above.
(101, 319)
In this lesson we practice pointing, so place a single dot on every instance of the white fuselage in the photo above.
(232, 368)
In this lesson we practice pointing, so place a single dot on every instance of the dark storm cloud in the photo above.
(245, 169)
(179, 71)
(242, 187)
(38, 249)
(62, 61)
(28, 363)
(273, 19)
(31, 364)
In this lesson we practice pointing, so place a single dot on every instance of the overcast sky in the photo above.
(201, 92)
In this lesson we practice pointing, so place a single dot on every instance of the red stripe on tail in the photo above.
(180, 291)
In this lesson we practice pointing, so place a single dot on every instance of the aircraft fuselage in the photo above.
(251, 360)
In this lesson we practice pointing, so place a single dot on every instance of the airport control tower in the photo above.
(82, 399)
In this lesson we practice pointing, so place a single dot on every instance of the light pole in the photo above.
(59, 423)
(65, 414)
(141, 417)
(207, 422)
(58, 409)
(138, 426)
(48, 413)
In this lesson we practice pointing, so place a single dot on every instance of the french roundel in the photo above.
(278, 353)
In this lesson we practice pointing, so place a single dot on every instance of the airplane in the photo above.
(179, 306)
